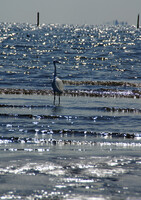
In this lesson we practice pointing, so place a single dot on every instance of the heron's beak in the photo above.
(56, 61)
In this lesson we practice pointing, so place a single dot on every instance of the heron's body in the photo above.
(57, 84)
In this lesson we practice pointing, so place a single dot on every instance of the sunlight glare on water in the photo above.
(88, 147)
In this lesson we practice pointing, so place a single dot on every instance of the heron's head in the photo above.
(56, 61)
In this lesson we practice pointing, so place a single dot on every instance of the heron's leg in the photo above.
(54, 98)
(59, 98)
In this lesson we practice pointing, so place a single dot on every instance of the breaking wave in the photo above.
(103, 83)
(104, 109)
(102, 92)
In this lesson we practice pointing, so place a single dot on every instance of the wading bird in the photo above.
(57, 83)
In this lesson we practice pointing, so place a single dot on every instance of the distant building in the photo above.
(116, 23)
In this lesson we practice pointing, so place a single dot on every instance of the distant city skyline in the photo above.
(70, 11)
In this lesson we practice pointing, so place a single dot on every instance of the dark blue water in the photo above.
(88, 147)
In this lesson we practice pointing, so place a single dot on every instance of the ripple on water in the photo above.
(89, 146)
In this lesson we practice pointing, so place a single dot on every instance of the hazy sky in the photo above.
(70, 11)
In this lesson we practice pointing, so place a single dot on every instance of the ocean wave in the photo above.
(103, 109)
(103, 83)
(102, 92)
(77, 133)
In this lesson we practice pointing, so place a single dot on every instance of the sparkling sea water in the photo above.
(89, 146)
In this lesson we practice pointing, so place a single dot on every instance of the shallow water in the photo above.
(88, 147)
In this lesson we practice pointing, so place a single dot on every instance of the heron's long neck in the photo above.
(55, 73)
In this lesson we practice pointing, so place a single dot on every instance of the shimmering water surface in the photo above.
(88, 147)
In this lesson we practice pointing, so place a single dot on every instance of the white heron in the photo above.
(57, 83)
